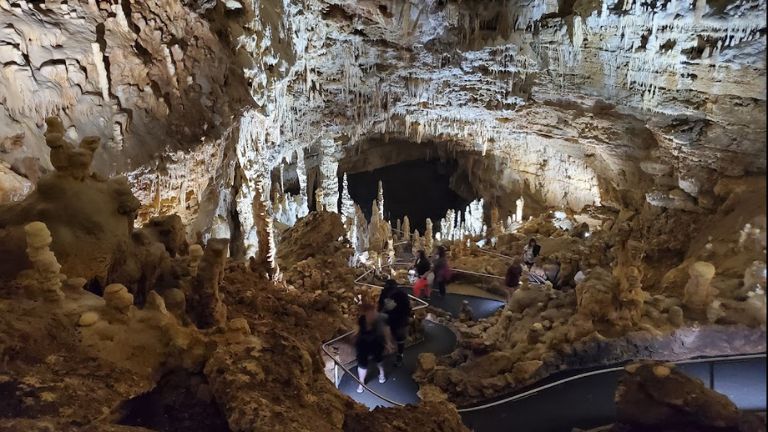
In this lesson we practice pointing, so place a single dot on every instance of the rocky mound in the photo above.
(658, 397)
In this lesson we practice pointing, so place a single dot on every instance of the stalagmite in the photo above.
(361, 229)
(118, 299)
(406, 229)
(379, 231)
(428, 236)
(496, 228)
(519, 209)
(205, 306)
(417, 243)
(195, 255)
(699, 293)
(43, 281)
(380, 200)
(319, 200)
(347, 205)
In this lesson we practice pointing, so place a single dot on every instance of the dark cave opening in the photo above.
(419, 189)
(181, 401)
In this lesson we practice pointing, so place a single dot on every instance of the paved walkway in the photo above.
(438, 339)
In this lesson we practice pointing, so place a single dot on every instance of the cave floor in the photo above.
(438, 339)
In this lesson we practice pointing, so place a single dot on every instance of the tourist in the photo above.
(422, 264)
(512, 279)
(442, 271)
(370, 343)
(530, 252)
(394, 302)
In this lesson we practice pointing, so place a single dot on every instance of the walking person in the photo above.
(422, 264)
(512, 278)
(394, 302)
(530, 252)
(442, 270)
(370, 342)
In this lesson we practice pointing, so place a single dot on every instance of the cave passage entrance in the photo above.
(419, 189)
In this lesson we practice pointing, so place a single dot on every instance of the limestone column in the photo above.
(267, 249)
(329, 180)
(347, 205)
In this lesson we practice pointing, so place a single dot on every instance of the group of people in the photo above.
(378, 326)
(515, 271)
(435, 275)
(388, 321)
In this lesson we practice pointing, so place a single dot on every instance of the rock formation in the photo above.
(660, 397)
(205, 305)
(640, 125)
(43, 281)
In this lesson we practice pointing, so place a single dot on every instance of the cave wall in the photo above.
(612, 102)
(153, 79)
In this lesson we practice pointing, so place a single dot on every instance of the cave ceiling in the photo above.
(586, 102)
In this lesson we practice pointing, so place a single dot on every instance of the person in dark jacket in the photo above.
(422, 264)
(515, 270)
(394, 302)
(370, 342)
(441, 271)
(512, 279)
(530, 252)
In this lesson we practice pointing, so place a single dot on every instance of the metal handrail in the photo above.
(599, 372)
(338, 364)
(489, 252)
(477, 274)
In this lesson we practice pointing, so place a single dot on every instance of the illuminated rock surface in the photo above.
(176, 151)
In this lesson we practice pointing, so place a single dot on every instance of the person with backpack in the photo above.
(530, 252)
(394, 302)
(421, 271)
(422, 264)
(442, 271)
(370, 342)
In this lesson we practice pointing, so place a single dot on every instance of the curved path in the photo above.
(585, 399)
(438, 339)
(582, 399)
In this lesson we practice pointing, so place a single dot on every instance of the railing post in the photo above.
(336, 375)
